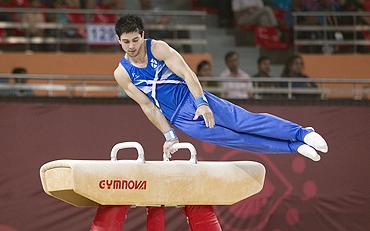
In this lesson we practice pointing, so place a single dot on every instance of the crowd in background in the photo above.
(273, 16)
(243, 85)
(270, 20)
(239, 13)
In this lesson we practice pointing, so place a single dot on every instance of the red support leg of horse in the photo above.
(109, 218)
(202, 218)
(155, 219)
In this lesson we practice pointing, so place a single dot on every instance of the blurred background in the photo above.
(304, 60)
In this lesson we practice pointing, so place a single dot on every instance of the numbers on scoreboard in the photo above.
(101, 34)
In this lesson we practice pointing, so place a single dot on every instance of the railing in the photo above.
(183, 28)
(105, 86)
(332, 32)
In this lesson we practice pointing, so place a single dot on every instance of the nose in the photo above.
(131, 46)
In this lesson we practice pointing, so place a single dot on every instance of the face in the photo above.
(297, 66)
(131, 43)
(206, 70)
(265, 66)
(233, 62)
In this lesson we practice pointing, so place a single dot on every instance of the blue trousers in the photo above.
(238, 128)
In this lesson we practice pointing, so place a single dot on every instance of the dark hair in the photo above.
(288, 64)
(202, 64)
(129, 23)
(261, 59)
(230, 54)
(19, 70)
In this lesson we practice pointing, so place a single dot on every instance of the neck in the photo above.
(263, 74)
(234, 71)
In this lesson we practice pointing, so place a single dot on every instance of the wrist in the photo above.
(201, 100)
(170, 135)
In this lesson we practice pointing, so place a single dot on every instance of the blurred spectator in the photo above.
(294, 69)
(264, 68)
(317, 6)
(350, 5)
(5, 17)
(283, 12)
(32, 19)
(328, 5)
(204, 69)
(21, 70)
(236, 90)
(253, 12)
(71, 18)
(11, 17)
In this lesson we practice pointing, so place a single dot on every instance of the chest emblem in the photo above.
(153, 63)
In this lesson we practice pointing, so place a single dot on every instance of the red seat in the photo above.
(268, 37)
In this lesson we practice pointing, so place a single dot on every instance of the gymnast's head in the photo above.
(130, 33)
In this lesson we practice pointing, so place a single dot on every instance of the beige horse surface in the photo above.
(168, 183)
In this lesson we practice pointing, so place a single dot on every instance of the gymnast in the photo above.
(156, 77)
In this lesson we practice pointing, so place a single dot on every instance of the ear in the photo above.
(118, 39)
(142, 34)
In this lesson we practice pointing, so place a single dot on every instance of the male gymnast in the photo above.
(156, 77)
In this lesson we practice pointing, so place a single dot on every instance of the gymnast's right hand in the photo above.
(168, 148)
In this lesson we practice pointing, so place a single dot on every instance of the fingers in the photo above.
(168, 148)
(207, 116)
(167, 152)
(209, 120)
(172, 150)
(196, 115)
(206, 120)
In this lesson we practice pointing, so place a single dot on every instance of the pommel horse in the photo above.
(123, 183)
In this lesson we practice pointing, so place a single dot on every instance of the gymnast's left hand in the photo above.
(207, 115)
(168, 148)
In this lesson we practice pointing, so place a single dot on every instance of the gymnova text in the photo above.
(123, 184)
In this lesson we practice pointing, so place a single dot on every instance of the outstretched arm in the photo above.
(150, 110)
(177, 64)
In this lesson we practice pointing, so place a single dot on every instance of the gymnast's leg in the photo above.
(262, 124)
(229, 138)
(264, 130)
